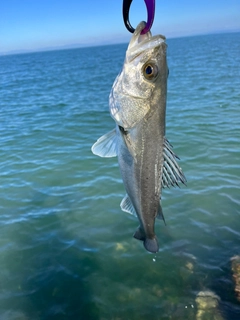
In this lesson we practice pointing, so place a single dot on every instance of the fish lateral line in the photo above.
(107, 146)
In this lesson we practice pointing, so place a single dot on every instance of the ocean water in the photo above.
(66, 248)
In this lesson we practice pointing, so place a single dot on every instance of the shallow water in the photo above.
(67, 250)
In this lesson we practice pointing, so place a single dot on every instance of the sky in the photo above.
(33, 25)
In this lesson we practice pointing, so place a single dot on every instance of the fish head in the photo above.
(142, 80)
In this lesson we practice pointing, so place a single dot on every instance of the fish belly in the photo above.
(141, 161)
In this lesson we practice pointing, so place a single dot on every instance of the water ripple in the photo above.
(66, 248)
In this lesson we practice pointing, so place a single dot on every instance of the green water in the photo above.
(67, 250)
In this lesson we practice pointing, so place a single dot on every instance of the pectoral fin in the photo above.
(172, 173)
(106, 146)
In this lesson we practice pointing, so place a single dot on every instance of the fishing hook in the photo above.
(150, 5)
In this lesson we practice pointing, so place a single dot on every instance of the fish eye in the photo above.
(150, 71)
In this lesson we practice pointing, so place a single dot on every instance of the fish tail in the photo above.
(150, 245)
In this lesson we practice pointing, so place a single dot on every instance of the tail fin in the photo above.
(150, 245)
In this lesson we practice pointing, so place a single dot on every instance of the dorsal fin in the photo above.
(172, 174)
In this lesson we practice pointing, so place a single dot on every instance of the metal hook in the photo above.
(150, 5)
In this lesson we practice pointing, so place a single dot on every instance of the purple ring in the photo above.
(150, 5)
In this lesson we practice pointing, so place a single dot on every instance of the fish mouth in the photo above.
(140, 43)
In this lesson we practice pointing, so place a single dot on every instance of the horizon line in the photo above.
(106, 43)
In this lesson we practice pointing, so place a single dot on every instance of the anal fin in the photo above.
(160, 214)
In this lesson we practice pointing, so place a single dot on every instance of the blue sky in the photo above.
(41, 24)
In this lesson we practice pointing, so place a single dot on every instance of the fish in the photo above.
(137, 103)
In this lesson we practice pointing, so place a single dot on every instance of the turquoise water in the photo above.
(67, 250)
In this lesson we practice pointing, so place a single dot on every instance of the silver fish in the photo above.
(138, 105)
